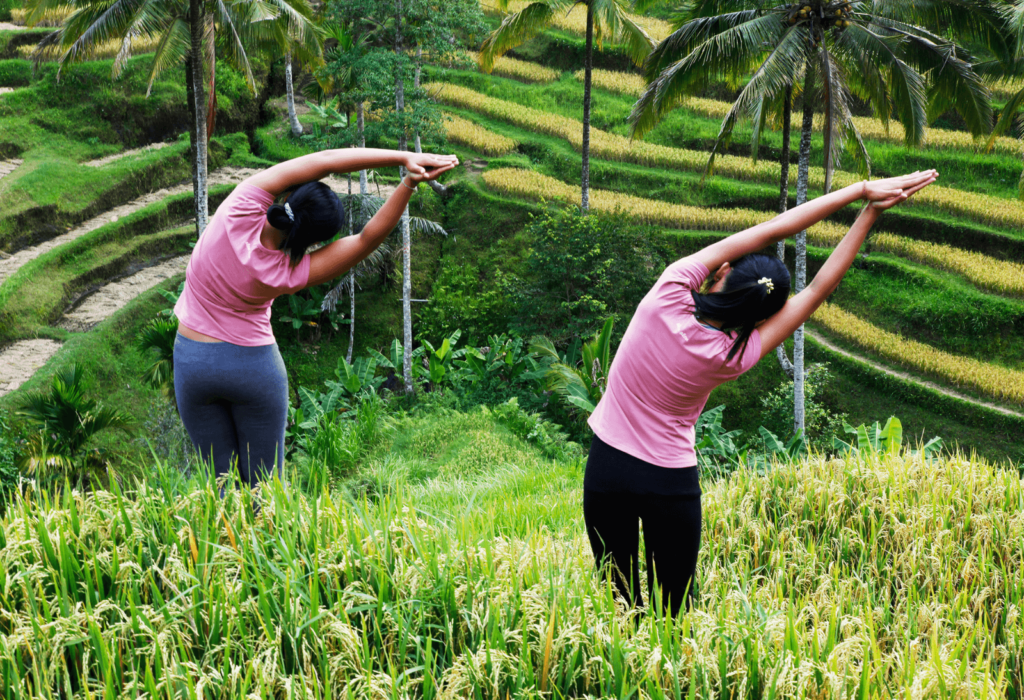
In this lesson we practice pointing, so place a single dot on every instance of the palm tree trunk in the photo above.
(406, 242)
(416, 86)
(588, 69)
(199, 185)
(362, 144)
(293, 118)
(787, 114)
(803, 166)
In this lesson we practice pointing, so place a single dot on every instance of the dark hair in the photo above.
(744, 301)
(318, 214)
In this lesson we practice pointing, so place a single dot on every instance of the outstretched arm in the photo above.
(317, 166)
(799, 218)
(800, 307)
(338, 257)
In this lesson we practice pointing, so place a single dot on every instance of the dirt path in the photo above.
(19, 361)
(909, 377)
(4, 90)
(8, 27)
(7, 166)
(11, 265)
(102, 303)
(100, 162)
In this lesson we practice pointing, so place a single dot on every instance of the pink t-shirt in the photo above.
(664, 370)
(232, 279)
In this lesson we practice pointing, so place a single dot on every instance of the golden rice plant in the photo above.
(104, 50)
(1006, 88)
(986, 272)
(477, 137)
(979, 207)
(533, 185)
(575, 20)
(526, 71)
(633, 85)
(53, 17)
(992, 380)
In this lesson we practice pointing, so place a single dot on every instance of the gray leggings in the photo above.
(233, 401)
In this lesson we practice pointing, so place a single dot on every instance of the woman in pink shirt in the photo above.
(229, 379)
(694, 330)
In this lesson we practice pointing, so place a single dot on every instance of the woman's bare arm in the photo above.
(317, 166)
(799, 218)
(800, 307)
(343, 254)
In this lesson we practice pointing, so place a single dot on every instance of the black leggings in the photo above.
(671, 538)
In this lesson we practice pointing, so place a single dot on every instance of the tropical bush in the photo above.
(988, 379)
(822, 420)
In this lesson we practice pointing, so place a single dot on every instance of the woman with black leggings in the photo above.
(695, 330)
(229, 379)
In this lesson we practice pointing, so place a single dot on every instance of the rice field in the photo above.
(872, 129)
(978, 207)
(477, 137)
(876, 576)
(991, 380)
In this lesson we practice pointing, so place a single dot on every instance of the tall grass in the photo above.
(865, 577)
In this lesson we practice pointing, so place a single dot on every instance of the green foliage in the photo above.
(461, 300)
(532, 428)
(10, 475)
(14, 72)
(159, 337)
(821, 421)
(580, 382)
(60, 424)
(878, 440)
(581, 270)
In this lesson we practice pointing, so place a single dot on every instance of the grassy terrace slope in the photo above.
(467, 573)
(55, 128)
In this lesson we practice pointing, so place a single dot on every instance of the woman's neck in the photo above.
(271, 237)
(710, 321)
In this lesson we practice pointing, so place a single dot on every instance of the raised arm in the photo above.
(800, 307)
(317, 166)
(341, 255)
(799, 218)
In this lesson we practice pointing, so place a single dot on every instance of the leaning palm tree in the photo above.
(605, 18)
(830, 51)
(190, 32)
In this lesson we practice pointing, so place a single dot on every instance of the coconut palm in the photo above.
(605, 19)
(830, 52)
(190, 32)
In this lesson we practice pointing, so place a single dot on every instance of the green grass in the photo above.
(466, 573)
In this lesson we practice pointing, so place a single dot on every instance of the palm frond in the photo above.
(692, 32)
(622, 28)
(174, 46)
(734, 51)
(515, 29)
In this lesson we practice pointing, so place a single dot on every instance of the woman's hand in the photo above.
(904, 195)
(890, 189)
(421, 163)
(432, 172)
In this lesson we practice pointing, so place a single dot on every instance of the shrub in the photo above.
(15, 72)
(821, 420)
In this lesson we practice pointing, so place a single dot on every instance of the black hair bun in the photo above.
(278, 217)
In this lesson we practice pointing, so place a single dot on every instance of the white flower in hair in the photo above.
(767, 282)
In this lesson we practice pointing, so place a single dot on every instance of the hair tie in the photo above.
(767, 282)
(289, 212)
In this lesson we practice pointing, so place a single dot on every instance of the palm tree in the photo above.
(158, 336)
(604, 18)
(188, 32)
(832, 51)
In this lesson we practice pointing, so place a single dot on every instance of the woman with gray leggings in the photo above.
(229, 378)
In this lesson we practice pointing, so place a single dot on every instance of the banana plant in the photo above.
(301, 312)
(883, 440)
(394, 360)
(357, 377)
(503, 358)
(579, 384)
(439, 360)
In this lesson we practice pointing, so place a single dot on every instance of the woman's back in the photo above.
(664, 370)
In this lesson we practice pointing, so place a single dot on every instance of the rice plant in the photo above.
(879, 575)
